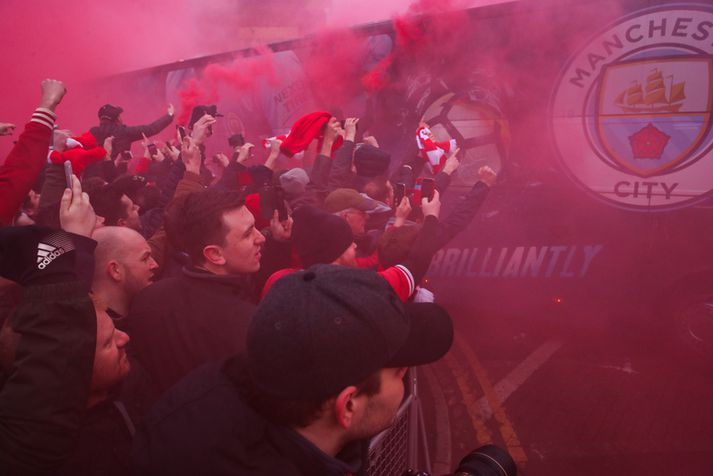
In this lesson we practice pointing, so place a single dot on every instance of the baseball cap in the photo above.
(343, 198)
(110, 112)
(320, 330)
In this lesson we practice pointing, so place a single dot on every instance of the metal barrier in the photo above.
(396, 449)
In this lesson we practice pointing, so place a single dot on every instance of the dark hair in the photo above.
(106, 202)
(148, 198)
(376, 188)
(395, 244)
(197, 220)
(289, 413)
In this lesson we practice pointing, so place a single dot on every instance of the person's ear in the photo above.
(346, 406)
(214, 254)
(113, 269)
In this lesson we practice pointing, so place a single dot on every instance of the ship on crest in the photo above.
(655, 97)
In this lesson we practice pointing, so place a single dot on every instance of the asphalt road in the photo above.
(568, 400)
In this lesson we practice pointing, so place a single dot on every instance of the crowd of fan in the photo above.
(161, 318)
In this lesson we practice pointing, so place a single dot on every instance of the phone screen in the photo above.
(399, 193)
(280, 204)
(267, 202)
(427, 189)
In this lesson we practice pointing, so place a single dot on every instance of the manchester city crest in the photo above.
(631, 115)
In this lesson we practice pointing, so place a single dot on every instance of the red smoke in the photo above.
(241, 75)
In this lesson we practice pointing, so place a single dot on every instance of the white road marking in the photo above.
(519, 375)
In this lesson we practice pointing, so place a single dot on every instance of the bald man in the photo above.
(123, 267)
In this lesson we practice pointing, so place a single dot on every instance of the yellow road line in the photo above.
(470, 400)
(507, 431)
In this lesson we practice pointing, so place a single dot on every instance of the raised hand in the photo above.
(452, 163)
(487, 175)
(403, 210)
(201, 129)
(53, 91)
(281, 230)
(433, 207)
(108, 146)
(191, 155)
(76, 214)
(221, 159)
(371, 140)
(350, 128)
(6, 128)
(244, 152)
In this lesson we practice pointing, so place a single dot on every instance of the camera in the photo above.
(487, 460)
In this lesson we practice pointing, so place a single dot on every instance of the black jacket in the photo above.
(104, 445)
(180, 323)
(204, 426)
(43, 402)
(124, 135)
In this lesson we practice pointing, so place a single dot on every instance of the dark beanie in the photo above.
(318, 236)
(371, 161)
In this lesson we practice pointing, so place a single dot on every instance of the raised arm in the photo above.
(29, 155)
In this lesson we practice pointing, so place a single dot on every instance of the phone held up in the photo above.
(428, 186)
(399, 193)
(68, 173)
(273, 198)
(181, 132)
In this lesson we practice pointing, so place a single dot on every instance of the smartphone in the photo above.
(68, 173)
(181, 132)
(152, 150)
(268, 202)
(428, 186)
(399, 193)
(236, 140)
(280, 204)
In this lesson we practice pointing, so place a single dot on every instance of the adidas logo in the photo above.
(46, 254)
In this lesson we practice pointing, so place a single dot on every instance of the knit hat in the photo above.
(318, 236)
(294, 182)
(107, 111)
(323, 329)
(344, 198)
(371, 161)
